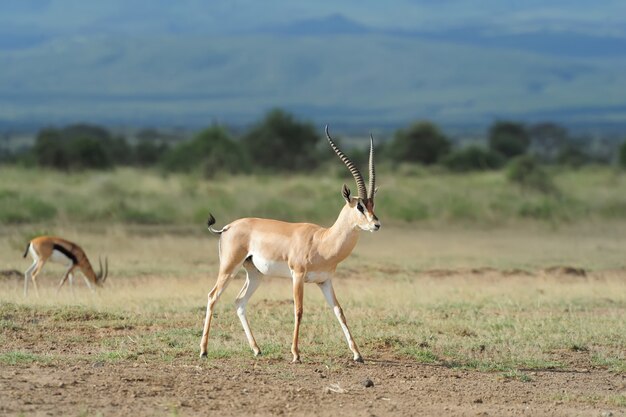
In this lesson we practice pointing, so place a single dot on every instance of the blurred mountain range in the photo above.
(364, 64)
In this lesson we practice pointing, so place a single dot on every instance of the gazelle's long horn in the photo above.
(100, 272)
(106, 268)
(372, 188)
(360, 183)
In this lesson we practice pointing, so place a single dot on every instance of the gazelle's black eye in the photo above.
(360, 207)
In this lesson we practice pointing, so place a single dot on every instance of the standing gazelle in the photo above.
(303, 252)
(54, 249)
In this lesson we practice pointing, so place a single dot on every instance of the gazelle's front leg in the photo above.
(298, 293)
(67, 274)
(329, 293)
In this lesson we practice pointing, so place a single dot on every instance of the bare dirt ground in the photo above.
(270, 387)
(79, 382)
(386, 385)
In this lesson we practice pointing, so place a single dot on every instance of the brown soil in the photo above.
(317, 387)
(236, 387)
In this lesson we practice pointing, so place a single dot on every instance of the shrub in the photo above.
(281, 142)
(622, 155)
(473, 158)
(574, 156)
(508, 138)
(423, 142)
(148, 153)
(211, 150)
(78, 147)
(526, 171)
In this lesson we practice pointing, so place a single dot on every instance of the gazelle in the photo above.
(304, 252)
(54, 249)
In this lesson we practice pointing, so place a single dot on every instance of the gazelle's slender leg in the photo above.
(222, 282)
(88, 283)
(67, 273)
(28, 276)
(329, 293)
(298, 292)
(252, 283)
(36, 272)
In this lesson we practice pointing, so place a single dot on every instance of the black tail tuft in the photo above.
(211, 221)
(26, 251)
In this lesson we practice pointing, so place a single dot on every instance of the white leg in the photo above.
(298, 294)
(252, 283)
(222, 282)
(87, 282)
(28, 276)
(329, 293)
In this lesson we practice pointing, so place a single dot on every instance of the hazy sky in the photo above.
(187, 60)
(79, 17)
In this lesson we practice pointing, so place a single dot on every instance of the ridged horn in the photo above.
(360, 183)
(100, 272)
(106, 268)
(372, 176)
(103, 273)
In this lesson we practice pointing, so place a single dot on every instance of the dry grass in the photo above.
(425, 294)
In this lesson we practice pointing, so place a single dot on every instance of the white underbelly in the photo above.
(59, 258)
(281, 269)
(270, 267)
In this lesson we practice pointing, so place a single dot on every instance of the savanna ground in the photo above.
(450, 322)
(475, 298)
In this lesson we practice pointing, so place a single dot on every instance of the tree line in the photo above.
(280, 142)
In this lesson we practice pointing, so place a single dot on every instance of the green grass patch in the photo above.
(23, 358)
(136, 196)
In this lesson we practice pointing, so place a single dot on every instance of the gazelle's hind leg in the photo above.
(223, 280)
(229, 266)
(28, 276)
(252, 283)
(36, 272)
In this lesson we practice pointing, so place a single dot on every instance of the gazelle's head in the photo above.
(361, 207)
(102, 275)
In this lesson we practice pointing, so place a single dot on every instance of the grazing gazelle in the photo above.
(54, 249)
(303, 252)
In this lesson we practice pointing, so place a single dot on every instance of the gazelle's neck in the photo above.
(88, 271)
(341, 238)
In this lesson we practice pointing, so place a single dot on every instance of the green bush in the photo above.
(527, 172)
(212, 151)
(281, 142)
(508, 138)
(573, 156)
(423, 142)
(473, 158)
(622, 155)
(15, 208)
(78, 147)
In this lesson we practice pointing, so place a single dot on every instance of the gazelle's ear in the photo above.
(375, 191)
(345, 192)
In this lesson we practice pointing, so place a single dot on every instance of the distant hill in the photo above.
(330, 70)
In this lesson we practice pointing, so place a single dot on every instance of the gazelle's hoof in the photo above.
(258, 353)
(359, 359)
(296, 360)
(203, 355)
